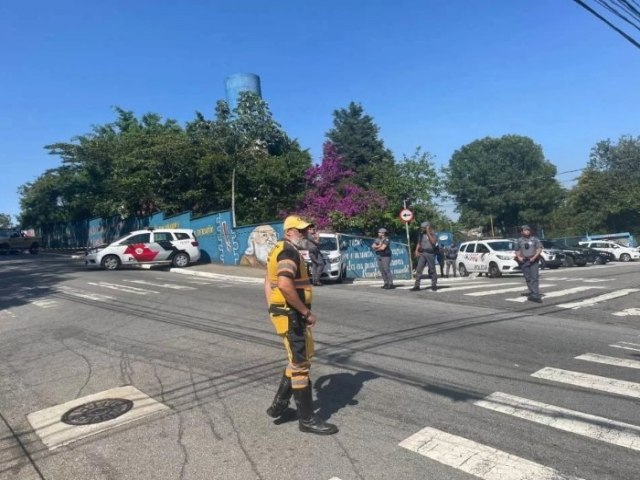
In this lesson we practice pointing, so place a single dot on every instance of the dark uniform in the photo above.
(315, 255)
(528, 250)
(382, 247)
(450, 255)
(426, 253)
(291, 325)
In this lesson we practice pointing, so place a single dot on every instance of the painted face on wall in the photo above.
(261, 240)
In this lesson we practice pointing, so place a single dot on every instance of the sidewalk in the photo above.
(218, 270)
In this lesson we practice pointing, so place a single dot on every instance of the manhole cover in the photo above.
(97, 412)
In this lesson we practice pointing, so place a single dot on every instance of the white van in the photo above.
(623, 254)
(333, 250)
(493, 257)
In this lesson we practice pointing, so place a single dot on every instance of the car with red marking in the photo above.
(177, 247)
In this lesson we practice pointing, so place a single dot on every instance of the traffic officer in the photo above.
(426, 253)
(382, 247)
(288, 293)
(450, 255)
(528, 250)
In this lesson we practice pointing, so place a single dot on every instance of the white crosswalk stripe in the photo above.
(45, 303)
(635, 347)
(7, 314)
(171, 286)
(83, 294)
(521, 288)
(592, 426)
(474, 458)
(616, 362)
(474, 287)
(628, 312)
(585, 380)
(602, 298)
(123, 288)
(557, 293)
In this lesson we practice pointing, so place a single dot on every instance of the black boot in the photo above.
(281, 400)
(308, 421)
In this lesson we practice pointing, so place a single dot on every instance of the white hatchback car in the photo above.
(493, 257)
(176, 247)
(623, 254)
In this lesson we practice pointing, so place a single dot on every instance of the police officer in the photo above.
(426, 253)
(315, 255)
(450, 255)
(382, 247)
(288, 293)
(528, 250)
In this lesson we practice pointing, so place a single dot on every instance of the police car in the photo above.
(621, 253)
(493, 257)
(175, 247)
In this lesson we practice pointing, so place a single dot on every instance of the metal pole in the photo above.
(406, 226)
(233, 198)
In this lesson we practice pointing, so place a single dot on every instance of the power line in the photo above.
(611, 25)
(618, 14)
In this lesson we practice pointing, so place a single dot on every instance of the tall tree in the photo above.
(5, 220)
(504, 180)
(356, 138)
(606, 195)
(332, 199)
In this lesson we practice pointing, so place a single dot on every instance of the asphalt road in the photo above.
(466, 382)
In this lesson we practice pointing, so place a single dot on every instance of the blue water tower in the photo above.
(241, 82)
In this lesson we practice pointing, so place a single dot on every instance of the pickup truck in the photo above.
(14, 240)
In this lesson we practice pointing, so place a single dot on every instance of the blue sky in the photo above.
(435, 74)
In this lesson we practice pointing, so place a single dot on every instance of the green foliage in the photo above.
(506, 179)
(606, 199)
(356, 136)
(5, 220)
(136, 166)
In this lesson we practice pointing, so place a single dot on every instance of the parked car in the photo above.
(551, 256)
(493, 257)
(623, 254)
(573, 256)
(597, 257)
(333, 249)
(176, 247)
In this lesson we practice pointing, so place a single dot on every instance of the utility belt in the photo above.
(282, 309)
(426, 250)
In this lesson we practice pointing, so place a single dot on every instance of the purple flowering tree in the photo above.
(332, 200)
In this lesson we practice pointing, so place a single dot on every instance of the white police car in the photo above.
(493, 257)
(175, 247)
(622, 253)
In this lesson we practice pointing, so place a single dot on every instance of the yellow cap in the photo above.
(294, 221)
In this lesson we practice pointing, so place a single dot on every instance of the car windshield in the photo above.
(548, 244)
(503, 246)
(328, 243)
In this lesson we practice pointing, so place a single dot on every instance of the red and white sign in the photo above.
(406, 215)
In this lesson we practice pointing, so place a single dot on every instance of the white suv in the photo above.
(623, 254)
(176, 247)
(493, 257)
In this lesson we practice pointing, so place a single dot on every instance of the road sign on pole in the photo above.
(406, 215)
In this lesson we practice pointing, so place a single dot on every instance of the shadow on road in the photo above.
(336, 391)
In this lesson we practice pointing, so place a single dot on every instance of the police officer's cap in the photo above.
(525, 227)
(382, 230)
(424, 224)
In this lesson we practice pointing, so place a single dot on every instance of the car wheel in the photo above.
(180, 260)
(494, 270)
(34, 249)
(599, 261)
(569, 261)
(625, 257)
(543, 264)
(463, 270)
(343, 273)
(581, 263)
(110, 262)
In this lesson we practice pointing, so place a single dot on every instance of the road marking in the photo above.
(218, 276)
(505, 290)
(627, 346)
(162, 285)
(45, 303)
(592, 426)
(123, 288)
(83, 294)
(48, 424)
(628, 312)
(601, 298)
(472, 287)
(7, 314)
(594, 382)
(477, 459)
(618, 362)
(557, 293)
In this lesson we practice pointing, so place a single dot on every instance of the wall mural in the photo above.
(219, 242)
